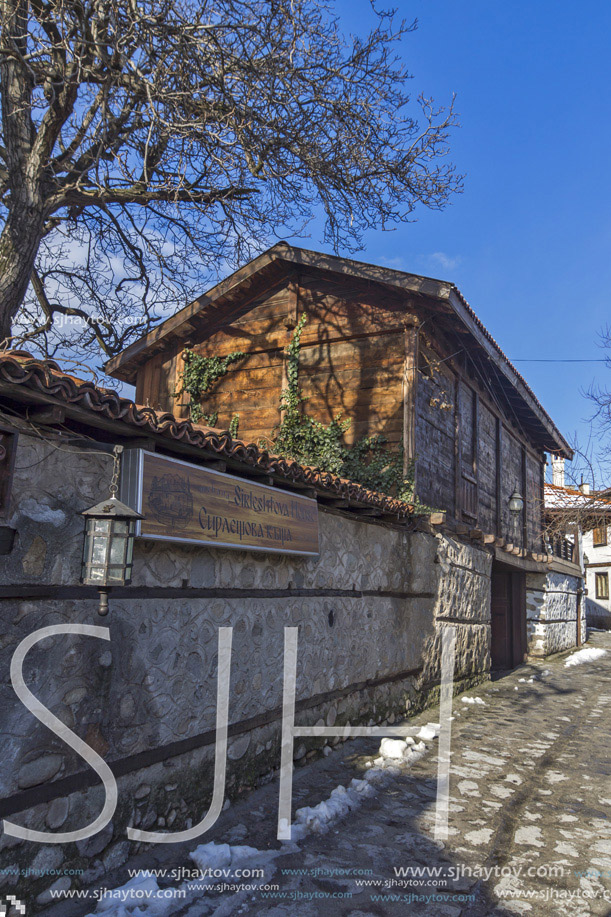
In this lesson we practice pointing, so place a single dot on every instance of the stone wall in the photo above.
(552, 603)
(369, 611)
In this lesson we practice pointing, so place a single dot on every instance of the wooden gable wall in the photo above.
(471, 453)
(351, 362)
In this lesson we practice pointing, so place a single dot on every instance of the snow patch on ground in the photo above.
(473, 700)
(393, 752)
(142, 897)
(137, 898)
(530, 836)
(589, 654)
(430, 731)
(219, 856)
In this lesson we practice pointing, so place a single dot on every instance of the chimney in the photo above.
(558, 470)
(584, 488)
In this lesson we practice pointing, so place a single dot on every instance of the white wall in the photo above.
(598, 611)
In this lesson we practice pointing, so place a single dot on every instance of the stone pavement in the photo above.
(530, 825)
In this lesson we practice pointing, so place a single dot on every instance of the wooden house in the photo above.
(397, 354)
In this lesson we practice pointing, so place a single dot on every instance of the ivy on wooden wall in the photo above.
(198, 376)
(369, 461)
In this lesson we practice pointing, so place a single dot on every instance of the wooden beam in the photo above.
(290, 322)
(525, 499)
(215, 464)
(410, 379)
(139, 442)
(181, 403)
(292, 312)
(47, 414)
(499, 476)
(541, 538)
(475, 455)
(295, 487)
(336, 502)
(457, 514)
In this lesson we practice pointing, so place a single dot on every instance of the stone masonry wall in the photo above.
(552, 600)
(369, 611)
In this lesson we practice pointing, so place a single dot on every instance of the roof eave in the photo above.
(124, 367)
(466, 315)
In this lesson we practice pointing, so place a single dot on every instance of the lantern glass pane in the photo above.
(117, 550)
(116, 574)
(98, 554)
(96, 574)
(130, 552)
(120, 527)
(101, 525)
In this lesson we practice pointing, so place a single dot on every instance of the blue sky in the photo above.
(529, 240)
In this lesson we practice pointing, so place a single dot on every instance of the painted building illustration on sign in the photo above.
(170, 501)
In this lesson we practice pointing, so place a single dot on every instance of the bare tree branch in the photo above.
(147, 146)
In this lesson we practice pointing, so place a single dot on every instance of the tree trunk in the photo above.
(23, 229)
(19, 245)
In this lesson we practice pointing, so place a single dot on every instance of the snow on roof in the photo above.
(569, 498)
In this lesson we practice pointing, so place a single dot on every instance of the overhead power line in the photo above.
(571, 360)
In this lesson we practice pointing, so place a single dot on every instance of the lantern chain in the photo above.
(116, 469)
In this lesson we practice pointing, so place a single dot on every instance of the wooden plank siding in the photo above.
(380, 362)
(463, 437)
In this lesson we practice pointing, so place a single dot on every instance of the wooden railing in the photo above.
(561, 547)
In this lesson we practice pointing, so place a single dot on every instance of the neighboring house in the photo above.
(577, 527)
(399, 355)
(597, 557)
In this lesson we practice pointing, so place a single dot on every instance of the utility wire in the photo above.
(546, 360)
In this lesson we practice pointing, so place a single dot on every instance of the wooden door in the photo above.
(500, 610)
(508, 619)
(518, 618)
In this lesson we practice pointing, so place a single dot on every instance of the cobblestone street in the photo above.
(529, 825)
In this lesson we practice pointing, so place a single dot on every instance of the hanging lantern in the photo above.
(516, 503)
(110, 528)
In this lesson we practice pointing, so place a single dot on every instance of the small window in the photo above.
(602, 585)
(599, 536)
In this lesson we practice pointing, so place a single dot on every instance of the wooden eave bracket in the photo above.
(47, 415)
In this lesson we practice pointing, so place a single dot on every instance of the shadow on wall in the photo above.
(597, 615)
